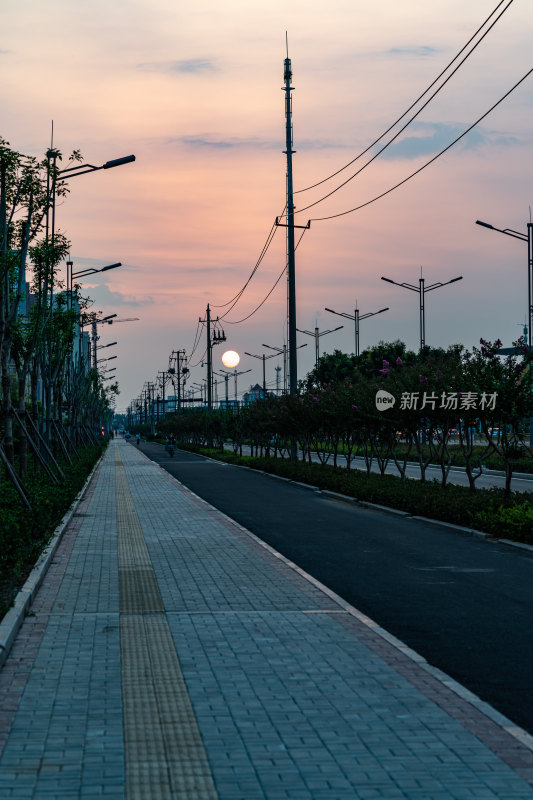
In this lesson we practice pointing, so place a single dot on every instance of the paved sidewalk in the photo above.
(170, 654)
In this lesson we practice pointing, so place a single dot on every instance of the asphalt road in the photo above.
(465, 604)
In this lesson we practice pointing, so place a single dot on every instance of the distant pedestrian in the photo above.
(138, 439)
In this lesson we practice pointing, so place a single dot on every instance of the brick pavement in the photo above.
(170, 654)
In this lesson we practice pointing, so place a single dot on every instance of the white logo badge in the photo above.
(384, 400)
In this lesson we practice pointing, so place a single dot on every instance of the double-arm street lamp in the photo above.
(357, 317)
(422, 289)
(283, 350)
(235, 375)
(528, 238)
(263, 358)
(317, 336)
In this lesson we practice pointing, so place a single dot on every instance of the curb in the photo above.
(14, 617)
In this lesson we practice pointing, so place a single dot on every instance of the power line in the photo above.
(263, 301)
(402, 129)
(412, 175)
(234, 300)
(200, 361)
(196, 338)
(431, 85)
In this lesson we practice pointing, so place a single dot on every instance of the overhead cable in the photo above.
(416, 172)
(196, 338)
(402, 129)
(263, 301)
(239, 294)
(431, 85)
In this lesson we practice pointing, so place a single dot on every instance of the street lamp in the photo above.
(54, 178)
(528, 238)
(235, 375)
(101, 346)
(283, 350)
(82, 273)
(82, 169)
(317, 336)
(263, 358)
(422, 289)
(356, 318)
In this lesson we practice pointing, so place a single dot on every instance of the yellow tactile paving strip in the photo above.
(164, 752)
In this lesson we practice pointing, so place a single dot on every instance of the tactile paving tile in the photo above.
(164, 753)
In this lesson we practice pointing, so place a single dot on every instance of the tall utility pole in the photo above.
(317, 336)
(216, 339)
(278, 370)
(291, 264)
(162, 380)
(180, 371)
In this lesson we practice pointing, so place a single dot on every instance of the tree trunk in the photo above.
(23, 442)
(9, 449)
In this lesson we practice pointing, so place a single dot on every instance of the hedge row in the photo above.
(24, 533)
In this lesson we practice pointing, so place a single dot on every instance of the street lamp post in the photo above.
(55, 177)
(422, 289)
(226, 381)
(317, 336)
(283, 350)
(82, 169)
(263, 358)
(528, 238)
(235, 374)
(356, 318)
(101, 360)
(81, 274)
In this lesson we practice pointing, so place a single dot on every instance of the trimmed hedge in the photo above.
(23, 533)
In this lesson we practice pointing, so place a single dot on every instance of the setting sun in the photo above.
(230, 358)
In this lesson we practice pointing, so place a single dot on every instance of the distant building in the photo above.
(254, 393)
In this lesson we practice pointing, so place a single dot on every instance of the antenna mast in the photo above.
(291, 277)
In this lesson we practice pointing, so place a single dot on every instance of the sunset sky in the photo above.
(193, 90)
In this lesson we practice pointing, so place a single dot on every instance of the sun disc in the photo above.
(230, 358)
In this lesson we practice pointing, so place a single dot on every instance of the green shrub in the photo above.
(24, 533)
(514, 522)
